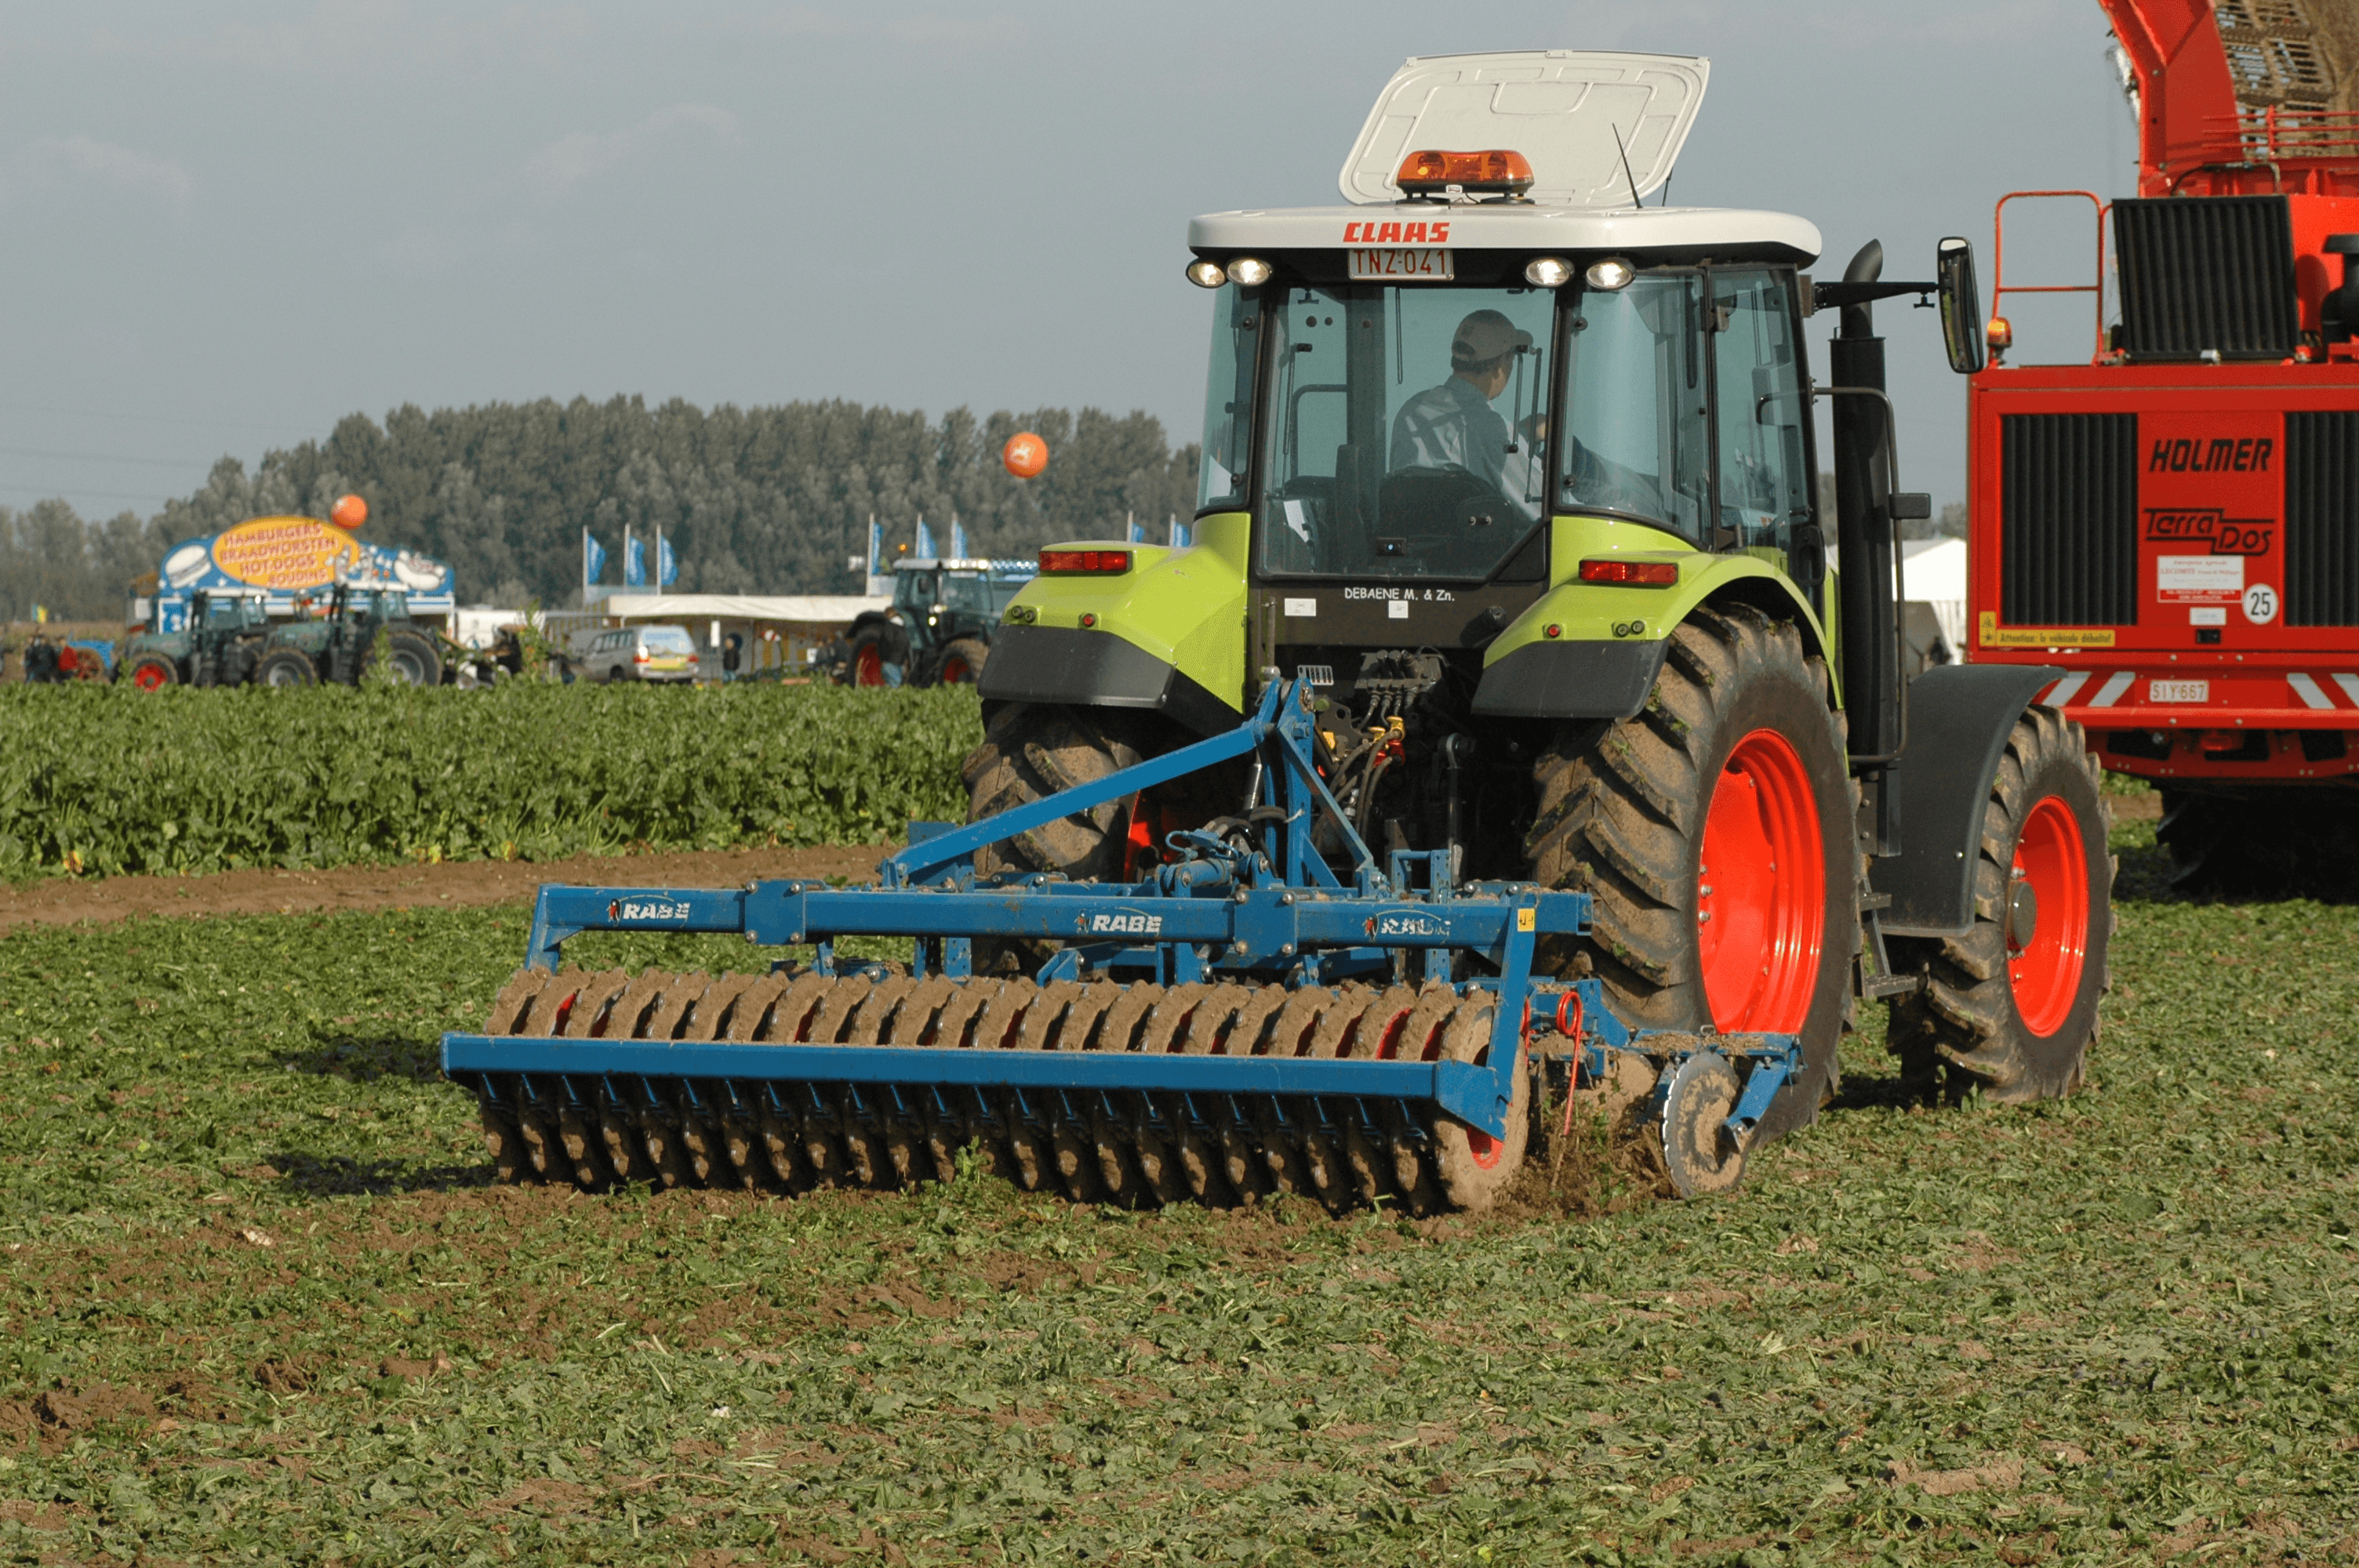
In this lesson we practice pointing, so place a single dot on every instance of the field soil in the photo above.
(462, 884)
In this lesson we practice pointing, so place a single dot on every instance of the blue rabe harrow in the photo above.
(1256, 1016)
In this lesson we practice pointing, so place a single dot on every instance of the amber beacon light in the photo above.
(1499, 171)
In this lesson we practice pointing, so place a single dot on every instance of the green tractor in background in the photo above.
(219, 643)
(339, 646)
(1520, 473)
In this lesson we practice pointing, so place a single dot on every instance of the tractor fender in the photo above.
(1593, 650)
(1959, 717)
(1096, 669)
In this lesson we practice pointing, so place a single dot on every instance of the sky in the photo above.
(224, 227)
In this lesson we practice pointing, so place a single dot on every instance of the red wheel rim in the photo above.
(1761, 890)
(955, 672)
(147, 677)
(1482, 1148)
(867, 666)
(2053, 863)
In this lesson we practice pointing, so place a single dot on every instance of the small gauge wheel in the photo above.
(1703, 1155)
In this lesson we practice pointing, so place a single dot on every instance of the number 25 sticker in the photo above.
(2260, 604)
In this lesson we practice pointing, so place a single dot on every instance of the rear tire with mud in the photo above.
(2012, 1005)
(1713, 831)
(1030, 751)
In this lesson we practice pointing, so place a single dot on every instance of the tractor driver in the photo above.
(1454, 426)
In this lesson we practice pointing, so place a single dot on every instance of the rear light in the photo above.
(1084, 563)
(1498, 171)
(1631, 574)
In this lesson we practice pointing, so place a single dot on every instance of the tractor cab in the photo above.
(231, 614)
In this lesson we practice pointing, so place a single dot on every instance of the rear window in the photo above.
(667, 640)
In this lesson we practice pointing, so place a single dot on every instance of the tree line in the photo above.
(752, 500)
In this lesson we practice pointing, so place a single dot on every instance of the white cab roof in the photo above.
(1724, 233)
(1575, 115)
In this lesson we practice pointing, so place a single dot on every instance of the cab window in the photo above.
(1764, 470)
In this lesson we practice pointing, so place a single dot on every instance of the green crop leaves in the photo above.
(110, 780)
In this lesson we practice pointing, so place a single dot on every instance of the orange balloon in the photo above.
(350, 512)
(1026, 455)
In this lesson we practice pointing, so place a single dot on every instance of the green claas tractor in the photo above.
(1502, 735)
(339, 646)
(218, 643)
(1520, 473)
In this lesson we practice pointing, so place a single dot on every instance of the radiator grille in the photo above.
(2321, 519)
(2203, 273)
(2067, 521)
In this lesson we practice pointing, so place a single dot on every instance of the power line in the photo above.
(56, 493)
(110, 457)
(279, 431)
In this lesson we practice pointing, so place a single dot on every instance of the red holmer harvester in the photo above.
(2176, 521)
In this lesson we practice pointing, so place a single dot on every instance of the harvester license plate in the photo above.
(2179, 691)
(1413, 266)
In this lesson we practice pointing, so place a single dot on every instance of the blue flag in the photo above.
(666, 563)
(594, 558)
(958, 538)
(634, 564)
(925, 551)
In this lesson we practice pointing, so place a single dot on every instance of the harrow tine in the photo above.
(662, 1142)
(501, 1138)
(626, 1155)
(783, 1148)
(584, 1151)
(1158, 1159)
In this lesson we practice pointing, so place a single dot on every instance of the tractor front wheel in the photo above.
(2013, 1003)
(1712, 832)
(149, 672)
(962, 661)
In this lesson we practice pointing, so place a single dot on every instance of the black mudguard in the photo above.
(1096, 669)
(1958, 718)
(1573, 680)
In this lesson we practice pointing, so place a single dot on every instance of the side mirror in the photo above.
(1962, 305)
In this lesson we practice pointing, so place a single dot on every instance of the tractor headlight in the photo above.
(1206, 274)
(1548, 272)
(1250, 272)
(1610, 275)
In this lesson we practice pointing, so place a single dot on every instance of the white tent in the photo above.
(1933, 571)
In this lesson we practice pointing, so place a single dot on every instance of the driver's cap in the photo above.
(1486, 335)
